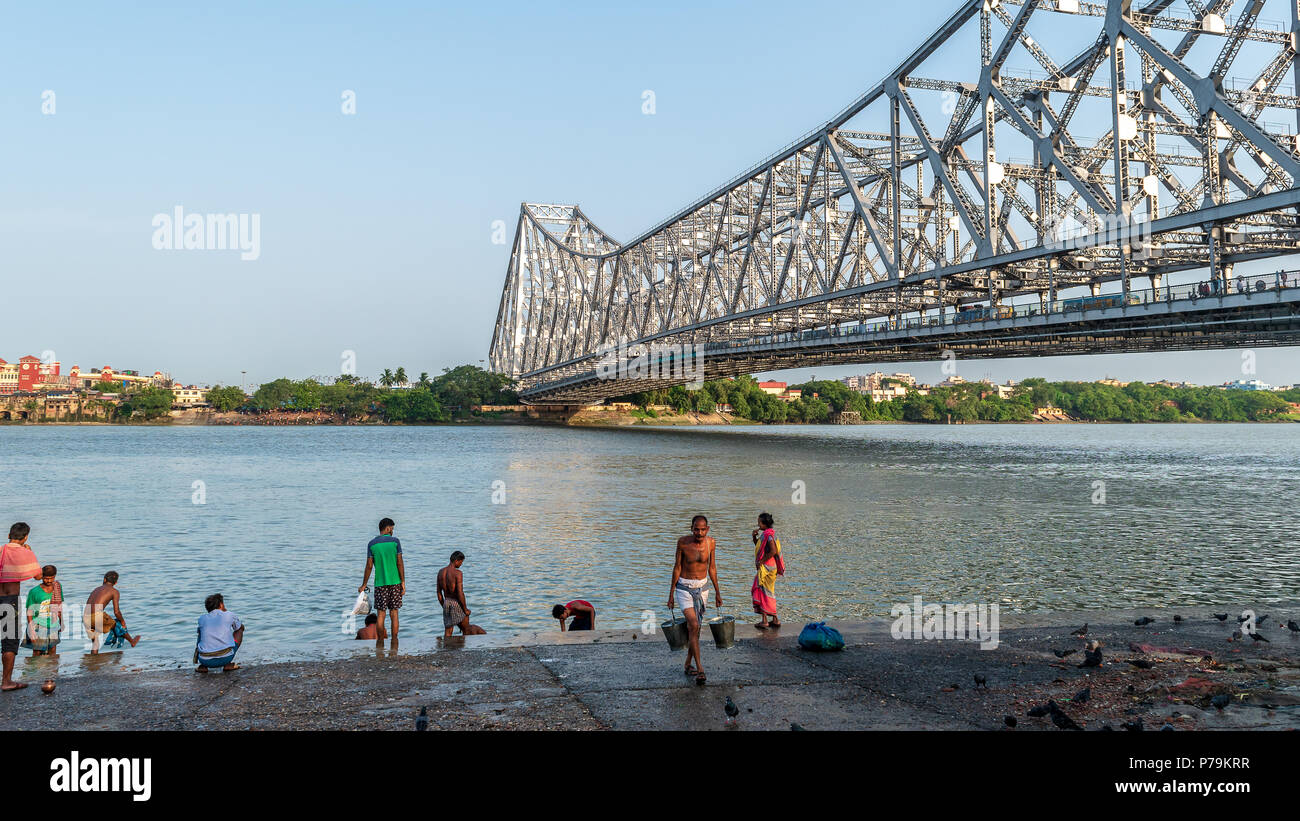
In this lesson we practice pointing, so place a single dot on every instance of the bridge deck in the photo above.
(1266, 318)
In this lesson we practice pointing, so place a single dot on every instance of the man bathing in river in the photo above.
(373, 629)
(17, 565)
(580, 610)
(100, 625)
(451, 595)
(695, 566)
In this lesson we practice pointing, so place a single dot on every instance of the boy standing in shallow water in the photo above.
(384, 555)
(17, 565)
(45, 613)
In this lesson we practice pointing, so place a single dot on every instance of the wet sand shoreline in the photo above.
(620, 679)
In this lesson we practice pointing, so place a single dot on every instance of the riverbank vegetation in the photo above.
(980, 402)
(438, 399)
(452, 395)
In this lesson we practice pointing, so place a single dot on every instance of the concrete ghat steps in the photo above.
(609, 680)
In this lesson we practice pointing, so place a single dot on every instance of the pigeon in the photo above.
(1064, 722)
(1258, 637)
(1010, 721)
(1060, 654)
(1220, 616)
(1220, 701)
(1168, 728)
(1091, 658)
(1259, 622)
(1177, 619)
(1082, 696)
(1134, 726)
(796, 728)
(422, 720)
(1144, 621)
(731, 709)
(1292, 626)
(1043, 709)
(1141, 664)
(1236, 635)
(981, 681)
(1082, 631)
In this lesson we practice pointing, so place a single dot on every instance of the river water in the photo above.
(1028, 516)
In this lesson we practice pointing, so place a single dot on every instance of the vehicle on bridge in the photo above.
(1088, 303)
(979, 313)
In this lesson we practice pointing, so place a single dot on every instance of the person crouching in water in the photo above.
(99, 625)
(373, 629)
(768, 561)
(580, 610)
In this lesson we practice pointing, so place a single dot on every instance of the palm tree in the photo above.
(387, 379)
(425, 382)
(400, 376)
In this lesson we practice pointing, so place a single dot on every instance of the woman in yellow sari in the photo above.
(767, 560)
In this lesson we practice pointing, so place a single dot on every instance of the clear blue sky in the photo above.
(376, 228)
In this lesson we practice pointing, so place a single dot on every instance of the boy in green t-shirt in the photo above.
(384, 555)
(45, 613)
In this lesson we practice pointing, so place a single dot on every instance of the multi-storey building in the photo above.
(27, 374)
(189, 396)
(123, 379)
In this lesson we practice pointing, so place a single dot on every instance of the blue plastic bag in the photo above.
(817, 636)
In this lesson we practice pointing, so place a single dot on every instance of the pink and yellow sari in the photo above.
(764, 589)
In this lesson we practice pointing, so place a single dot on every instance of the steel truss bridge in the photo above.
(958, 214)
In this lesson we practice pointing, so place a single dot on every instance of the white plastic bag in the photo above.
(362, 607)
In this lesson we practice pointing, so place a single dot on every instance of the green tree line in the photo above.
(979, 402)
(426, 400)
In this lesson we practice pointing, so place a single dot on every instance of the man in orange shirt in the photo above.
(17, 565)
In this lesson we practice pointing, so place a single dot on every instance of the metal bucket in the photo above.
(674, 631)
(723, 629)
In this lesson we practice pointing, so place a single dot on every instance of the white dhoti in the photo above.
(686, 592)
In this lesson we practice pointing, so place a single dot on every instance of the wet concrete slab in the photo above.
(650, 665)
(825, 705)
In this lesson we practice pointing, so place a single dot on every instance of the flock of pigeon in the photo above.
(1092, 658)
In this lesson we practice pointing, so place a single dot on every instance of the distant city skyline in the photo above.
(1276, 366)
(354, 171)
